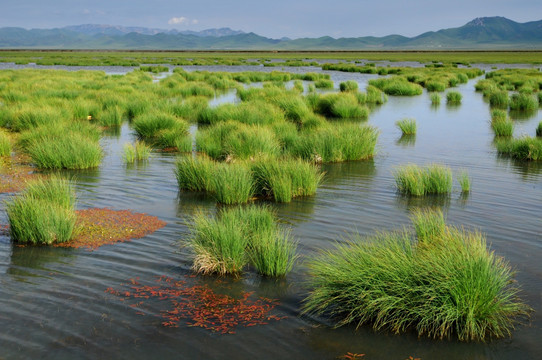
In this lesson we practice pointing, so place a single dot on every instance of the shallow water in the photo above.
(54, 304)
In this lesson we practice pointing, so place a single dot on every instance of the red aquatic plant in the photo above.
(101, 226)
(199, 305)
(14, 177)
(351, 356)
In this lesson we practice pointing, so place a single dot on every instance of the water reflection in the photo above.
(32, 261)
(523, 115)
(410, 203)
(406, 140)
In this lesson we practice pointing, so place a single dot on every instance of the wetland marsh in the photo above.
(141, 298)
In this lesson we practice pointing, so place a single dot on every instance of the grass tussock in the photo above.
(237, 236)
(43, 213)
(136, 152)
(539, 129)
(443, 283)
(414, 180)
(453, 97)
(5, 144)
(232, 183)
(464, 181)
(525, 148)
(407, 126)
(435, 98)
(397, 86)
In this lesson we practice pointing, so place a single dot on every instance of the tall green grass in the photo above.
(539, 129)
(407, 126)
(432, 179)
(447, 283)
(160, 128)
(499, 99)
(283, 179)
(238, 236)
(525, 148)
(195, 174)
(349, 85)
(342, 142)
(523, 102)
(44, 213)
(232, 183)
(464, 181)
(453, 97)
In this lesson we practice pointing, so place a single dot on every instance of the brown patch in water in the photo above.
(102, 226)
(15, 173)
(199, 305)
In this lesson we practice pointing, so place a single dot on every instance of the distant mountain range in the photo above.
(480, 33)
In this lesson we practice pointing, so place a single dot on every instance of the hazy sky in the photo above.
(272, 18)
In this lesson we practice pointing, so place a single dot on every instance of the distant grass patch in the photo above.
(349, 85)
(446, 282)
(523, 102)
(397, 86)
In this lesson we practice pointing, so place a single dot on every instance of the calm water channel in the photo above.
(53, 303)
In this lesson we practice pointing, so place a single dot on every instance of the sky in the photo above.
(273, 19)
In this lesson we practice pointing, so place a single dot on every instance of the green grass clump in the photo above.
(453, 97)
(397, 86)
(407, 126)
(155, 69)
(160, 129)
(349, 85)
(323, 84)
(428, 224)
(446, 282)
(340, 105)
(498, 115)
(499, 99)
(111, 117)
(44, 213)
(503, 128)
(232, 183)
(435, 98)
(253, 112)
(238, 236)
(283, 179)
(523, 102)
(342, 142)
(234, 140)
(5, 144)
(195, 174)
(464, 181)
(433, 179)
(63, 146)
(137, 152)
(539, 129)
(525, 148)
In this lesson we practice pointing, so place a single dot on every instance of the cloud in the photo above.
(182, 20)
(195, 21)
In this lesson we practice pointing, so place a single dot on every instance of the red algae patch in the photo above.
(199, 305)
(102, 226)
(15, 173)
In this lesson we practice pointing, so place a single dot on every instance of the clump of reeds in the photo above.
(499, 99)
(342, 142)
(397, 86)
(523, 102)
(323, 84)
(503, 128)
(435, 98)
(195, 174)
(414, 180)
(464, 181)
(160, 128)
(349, 85)
(136, 152)
(232, 183)
(43, 213)
(446, 282)
(283, 179)
(525, 148)
(453, 97)
(539, 129)
(407, 126)
(238, 236)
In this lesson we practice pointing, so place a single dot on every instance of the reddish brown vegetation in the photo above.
(96, 227)
(199, 305)
(14, 175)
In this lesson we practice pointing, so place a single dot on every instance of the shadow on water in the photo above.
(410, 203)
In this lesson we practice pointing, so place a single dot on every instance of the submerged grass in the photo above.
(447, 282)
(435, 98)
(136, 152)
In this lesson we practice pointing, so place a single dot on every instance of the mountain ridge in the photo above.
(482, 33)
